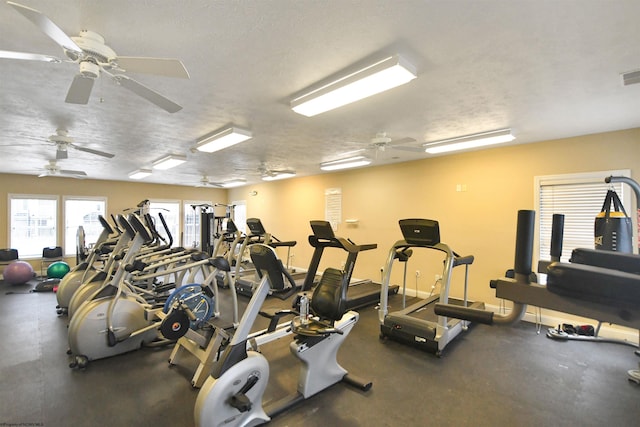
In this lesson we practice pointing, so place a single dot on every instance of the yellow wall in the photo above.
(480, 221)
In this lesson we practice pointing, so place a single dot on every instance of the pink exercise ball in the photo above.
(18, 272)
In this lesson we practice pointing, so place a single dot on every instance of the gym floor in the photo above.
(489, 376)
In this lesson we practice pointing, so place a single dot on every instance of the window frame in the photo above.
(240, 214)
(15, 196)
(65, 199)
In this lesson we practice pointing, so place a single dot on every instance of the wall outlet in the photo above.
(417, 273)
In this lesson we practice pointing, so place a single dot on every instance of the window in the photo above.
(170, 210)
(33, 223)
(191, 226)
(579, 197)
(239, 214)
(82, 212)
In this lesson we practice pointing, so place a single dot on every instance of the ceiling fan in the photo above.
(204, 182)
(63, 142)
(268, 173)
(380, 143)
(93, 56)
(52, 169)
(228, 183)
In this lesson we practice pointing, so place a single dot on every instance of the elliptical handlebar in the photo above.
(166, 229)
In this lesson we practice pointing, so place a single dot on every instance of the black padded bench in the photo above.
(607, 259)
(598, 276)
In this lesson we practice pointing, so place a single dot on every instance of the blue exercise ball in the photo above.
(58, 270)
(18, 272)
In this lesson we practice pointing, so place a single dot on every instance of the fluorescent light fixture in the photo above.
(351, 162)
(222, 139)
(169, 161)
(469, 141)
(354, 85)
(233, 183)
(273, 176)
(631, 77)
(140, 174)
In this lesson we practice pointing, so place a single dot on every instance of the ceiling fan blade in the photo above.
(72, 172)
(7, 54)
(80, 90)
(409, 148)
(407, 140)
(352, 153)
(46, 26)
(61, 154)
(92, 151)
(43, 174)
(396, 145)
(148, 94)
(158, 66)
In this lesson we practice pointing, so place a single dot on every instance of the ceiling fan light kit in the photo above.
(140, 173)
(223, 138)
(169, 161)
(350, 86)
(351, 162)
(469, 141)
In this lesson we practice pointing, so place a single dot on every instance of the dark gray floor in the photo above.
(489, 376)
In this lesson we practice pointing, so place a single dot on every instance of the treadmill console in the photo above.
(255, 226)
(420, 232)
(228, 226)
(323, 230)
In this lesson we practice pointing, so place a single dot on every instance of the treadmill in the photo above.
(360, 293)
(246, 284)
(417, 324)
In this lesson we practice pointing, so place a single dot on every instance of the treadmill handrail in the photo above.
(403, 244)
(383, 310)
(462, 260)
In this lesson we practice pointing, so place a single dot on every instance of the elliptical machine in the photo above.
(116, 320)
(232, 395)
(86, 270)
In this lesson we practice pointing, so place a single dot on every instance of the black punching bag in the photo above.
(612, 228)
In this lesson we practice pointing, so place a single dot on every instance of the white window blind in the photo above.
(579, 197)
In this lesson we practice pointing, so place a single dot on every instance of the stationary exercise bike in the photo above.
(232, 395)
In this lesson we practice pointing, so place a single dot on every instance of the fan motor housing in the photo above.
(92, 44)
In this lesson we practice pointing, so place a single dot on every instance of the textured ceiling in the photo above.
(546, 69)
